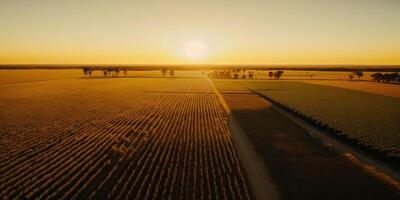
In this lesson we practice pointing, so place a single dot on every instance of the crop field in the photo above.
(119, 138)
(37, 75)
(370, 119)
(313, 75)
(391, 90)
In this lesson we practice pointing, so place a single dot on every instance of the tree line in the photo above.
(393, 77)
(242, 74)
(165, 71)
(106, 72)
(114, 72)
(359, 74)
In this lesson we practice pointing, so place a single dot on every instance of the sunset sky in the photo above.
(179, 32)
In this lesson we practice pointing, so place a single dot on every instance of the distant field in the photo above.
(369, 118)
(314, 75)
(64, 136)
(21, 76)
(124, 138)
(392, 90)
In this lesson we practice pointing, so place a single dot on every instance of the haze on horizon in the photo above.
(186, 32)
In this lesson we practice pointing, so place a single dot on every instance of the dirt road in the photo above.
(258, 174)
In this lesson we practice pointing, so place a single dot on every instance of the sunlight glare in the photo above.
(194, 49)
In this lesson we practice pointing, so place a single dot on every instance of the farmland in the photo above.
(391, 90)
(314, 75)
(23, 76)
(145, 136)
(369, 119)
(76, 138)
(301, 166)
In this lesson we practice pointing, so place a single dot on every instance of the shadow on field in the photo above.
(301, 166)
(383, 155)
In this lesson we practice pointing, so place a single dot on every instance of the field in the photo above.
(313, 75)
(145, 136)
(37, 75)
(391, 90)
(369, 119)
(76, 138)
(301, 166)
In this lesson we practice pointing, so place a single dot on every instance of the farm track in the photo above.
(173, 144)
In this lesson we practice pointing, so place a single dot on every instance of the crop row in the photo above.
(166, 142)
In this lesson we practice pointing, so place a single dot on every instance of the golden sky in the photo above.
(231, 31)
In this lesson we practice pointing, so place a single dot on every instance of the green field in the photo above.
(371, 119)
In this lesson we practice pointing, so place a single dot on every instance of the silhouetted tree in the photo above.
(359, 74)
(85, 71)
(386, 77)
(271, 74)
(377, 76)
(251, 74)
(164, 71)
(394, 77)
(117, 72)
(278, 74)
(171, 72)
(236, 75)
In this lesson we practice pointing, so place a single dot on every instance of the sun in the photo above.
(194, 49)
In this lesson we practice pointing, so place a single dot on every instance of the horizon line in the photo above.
(200, 64)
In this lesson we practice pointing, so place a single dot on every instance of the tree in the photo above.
(351, 76)
(85, 71)
(163, 71)
(377, 76)
(271, 74)
(171, 72)
(359, 74)
(398, 78)
(251, 74)
(278, 74)
(386, 77)
(393, 77)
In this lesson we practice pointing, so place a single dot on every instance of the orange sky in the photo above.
(237, 32)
